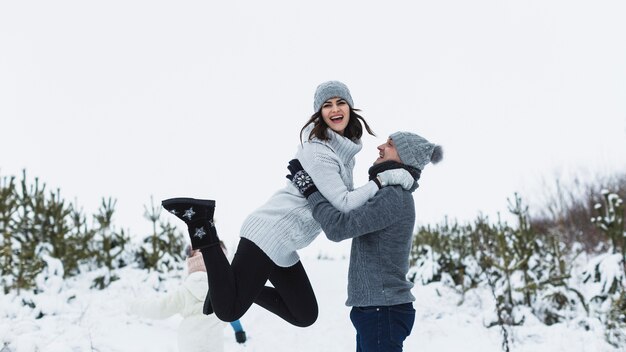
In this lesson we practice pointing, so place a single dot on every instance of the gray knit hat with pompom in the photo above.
(331, 89)
(415, 150)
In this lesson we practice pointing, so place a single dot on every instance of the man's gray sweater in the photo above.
(382, 231)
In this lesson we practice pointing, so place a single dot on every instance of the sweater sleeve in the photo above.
(325, 171)
(159, 308)
(378, 213)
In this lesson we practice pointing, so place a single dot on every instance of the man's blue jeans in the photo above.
(383, 328)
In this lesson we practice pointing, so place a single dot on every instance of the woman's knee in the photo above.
(308, 319)
(227, 315)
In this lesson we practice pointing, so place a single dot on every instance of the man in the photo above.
(382, 229)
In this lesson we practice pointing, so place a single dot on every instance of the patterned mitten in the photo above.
(399, 177)
(300, 178)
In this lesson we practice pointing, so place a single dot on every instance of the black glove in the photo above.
(240, 336)
(301, 178)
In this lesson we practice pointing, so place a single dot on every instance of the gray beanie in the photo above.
(331, 89)
(416, 151)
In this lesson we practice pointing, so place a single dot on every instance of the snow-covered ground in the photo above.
(96, 320)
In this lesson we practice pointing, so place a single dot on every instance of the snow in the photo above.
(82, 319)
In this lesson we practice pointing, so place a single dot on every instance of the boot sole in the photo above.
(187, 201)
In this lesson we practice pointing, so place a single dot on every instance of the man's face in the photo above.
(387, 152)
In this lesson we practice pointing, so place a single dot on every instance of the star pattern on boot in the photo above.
(200, 233)
(173, 211)
(189, 213)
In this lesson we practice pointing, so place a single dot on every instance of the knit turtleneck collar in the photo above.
(345, 148)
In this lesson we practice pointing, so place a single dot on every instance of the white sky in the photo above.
(133, 99)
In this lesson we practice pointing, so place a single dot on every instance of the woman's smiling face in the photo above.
(336, 114)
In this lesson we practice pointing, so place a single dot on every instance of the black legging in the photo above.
(234, 287)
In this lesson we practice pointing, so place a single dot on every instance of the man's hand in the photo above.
(301, 178)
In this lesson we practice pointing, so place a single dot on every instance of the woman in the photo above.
(272, 234)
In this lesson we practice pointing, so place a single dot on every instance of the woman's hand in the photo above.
(399, 177)
(300, 178)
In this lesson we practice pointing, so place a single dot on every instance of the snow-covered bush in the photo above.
(610, 219)
(447, 248)
(43, 238)
(162, 250)
(522, 267)
(607, 274)
(528, 270)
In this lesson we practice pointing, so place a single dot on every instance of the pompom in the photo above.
(437, 154)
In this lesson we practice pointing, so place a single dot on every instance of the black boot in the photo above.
(240, 336)
(198, 215)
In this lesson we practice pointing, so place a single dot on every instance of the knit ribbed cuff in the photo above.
(315, 198)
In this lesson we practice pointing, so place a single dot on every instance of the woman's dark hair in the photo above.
(353, 131)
